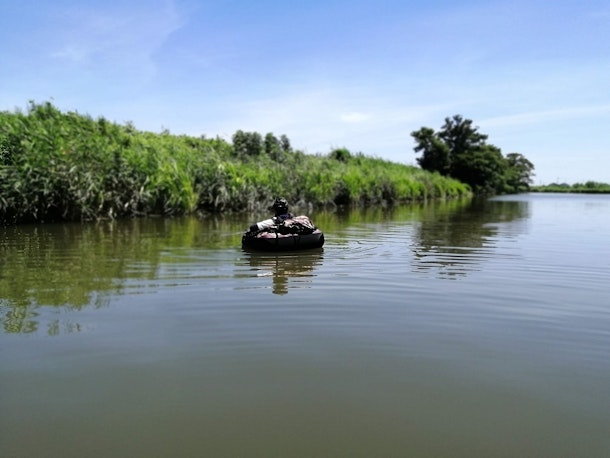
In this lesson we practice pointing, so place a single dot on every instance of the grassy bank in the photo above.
(57, 166)
(590, 187)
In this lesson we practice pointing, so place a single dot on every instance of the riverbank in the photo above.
(57, 166)
(590, 187)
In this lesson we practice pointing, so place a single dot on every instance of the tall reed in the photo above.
(68, 166)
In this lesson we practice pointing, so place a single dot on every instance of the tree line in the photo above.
(460, 151)
(588, 187)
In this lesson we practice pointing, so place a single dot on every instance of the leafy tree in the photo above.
(340, 154)
(272, 144)
(274, 148)
(247, 143)
(482, 167)
(436, 156)
(519, 173)
(460, 151)
(460, 136)
(285, 144)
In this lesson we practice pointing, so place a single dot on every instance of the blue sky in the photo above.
(532, 75)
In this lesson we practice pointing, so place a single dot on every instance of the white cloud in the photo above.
(354, 117)
(547, 115)
(115, 36)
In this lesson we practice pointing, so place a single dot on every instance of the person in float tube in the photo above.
(280, 207)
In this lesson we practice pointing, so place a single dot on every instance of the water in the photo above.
(462, 329)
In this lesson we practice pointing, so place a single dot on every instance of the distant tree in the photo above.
(271, 145)
(460, 136)
(482, 167)
(340, 154)
(247, 143)
(285, 144)
(436, 155)
(277, 149)
(460, 151)
(519, 173)
(593, 185)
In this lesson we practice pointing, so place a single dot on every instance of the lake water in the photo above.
(464, 329)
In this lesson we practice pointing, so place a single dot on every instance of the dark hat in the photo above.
(280, 204)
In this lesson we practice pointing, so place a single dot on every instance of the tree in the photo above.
(519, 173)
(482, 167)
(340, 154)
(285, 144)
(436, 155)
(460, 151)
(460, 136)
(272, 145)
(247, 143)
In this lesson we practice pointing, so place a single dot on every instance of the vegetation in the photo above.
(67, 166)
(458, 150)
(590, 187)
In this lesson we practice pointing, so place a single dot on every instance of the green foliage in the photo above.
(436, 155)
(482, 167)
(247, 143)
(252, 144)
(518, 174)
(285, 144)
(589, 187)
(67, 166)
(458, 150)
(340, 154)
(277, 149)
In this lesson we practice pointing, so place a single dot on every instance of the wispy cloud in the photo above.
(522, 72)
(118, 35)
(317, 118)
(354, 117)
(544, 116)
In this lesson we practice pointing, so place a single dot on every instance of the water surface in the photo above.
(457, 329)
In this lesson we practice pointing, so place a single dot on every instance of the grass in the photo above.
(57, 166)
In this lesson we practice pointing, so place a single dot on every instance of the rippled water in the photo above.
(462, 329)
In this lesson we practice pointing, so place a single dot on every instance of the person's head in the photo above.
(280, 206)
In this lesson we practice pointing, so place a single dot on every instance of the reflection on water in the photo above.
(170, 340)
(294, 267)
(46, 267)
(81, 265)
(453, 240)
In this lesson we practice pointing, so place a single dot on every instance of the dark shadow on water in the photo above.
(287, 270)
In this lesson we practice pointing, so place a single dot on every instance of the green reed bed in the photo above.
(67, 166)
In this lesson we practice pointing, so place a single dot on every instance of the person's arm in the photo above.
(262, 225)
